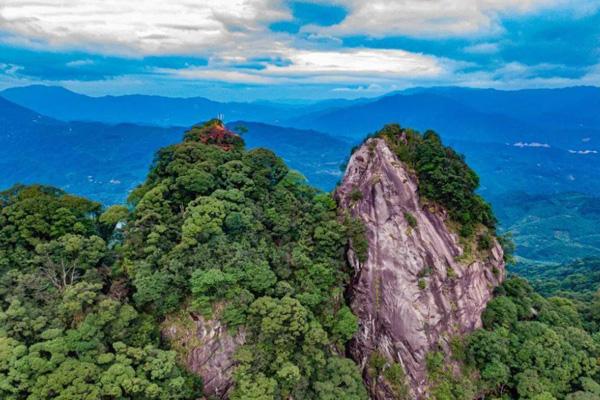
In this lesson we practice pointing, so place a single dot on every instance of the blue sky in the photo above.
(277, 49)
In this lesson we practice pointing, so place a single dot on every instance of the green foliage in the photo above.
(396, 378)
(410, 219)
(484, 241)
(533, 347)
(445, 382)
(444, 176)
(236, 235)
(238, 229)
(357, 235)
(83, 291)
(508, 247)
(356, 194)
(62, 335)
(113, 215)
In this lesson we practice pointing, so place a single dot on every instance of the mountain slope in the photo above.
(567, 117)
(316, 155)
(97, 160)
(69, 106)
(573, 107)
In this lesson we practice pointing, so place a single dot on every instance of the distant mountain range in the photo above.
(66, 105)
(566, 118)
(560, 117)
(536, 151)
(94, 159)
(105, 161)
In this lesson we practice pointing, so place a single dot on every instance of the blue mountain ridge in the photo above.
(535, 154)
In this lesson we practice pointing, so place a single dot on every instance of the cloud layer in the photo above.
(346, 44)
(432, 18)
(131, 26)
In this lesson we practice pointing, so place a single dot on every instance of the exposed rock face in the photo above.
(208, 348)
(411, 294)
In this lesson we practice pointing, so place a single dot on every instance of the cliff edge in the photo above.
(416, 287)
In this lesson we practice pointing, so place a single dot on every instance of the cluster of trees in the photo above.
(530, 348)
(65, 333)
(238, 229)
(537, 348)
(444, 176)
(83, 290)
(235, 235)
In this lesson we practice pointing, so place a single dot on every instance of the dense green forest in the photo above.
(225, 225)
(538, 348)
(66, 332)
(578, 280)
(235, 235)
(83, 290)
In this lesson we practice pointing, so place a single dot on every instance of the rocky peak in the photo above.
(416, 288)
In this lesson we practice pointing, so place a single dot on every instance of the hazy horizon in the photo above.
(283, 100)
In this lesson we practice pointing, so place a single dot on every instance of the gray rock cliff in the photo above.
(416, 289)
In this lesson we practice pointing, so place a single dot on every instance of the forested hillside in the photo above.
(236, 228)
(223, 232)
(537, 348)
(67, 330)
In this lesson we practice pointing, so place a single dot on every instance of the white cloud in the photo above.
(532, 144)
(9, 69)
(437, 18)
(79, 63)
(201, 27)
(229, 33)
(216, 74)
(583, 152)
(519, 76)
(359, 61)
(133, 26)
(372, 88)
(341, 66)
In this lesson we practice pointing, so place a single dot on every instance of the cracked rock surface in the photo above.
(412, 294)
(208, 349)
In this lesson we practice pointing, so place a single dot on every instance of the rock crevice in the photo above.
(208, 349)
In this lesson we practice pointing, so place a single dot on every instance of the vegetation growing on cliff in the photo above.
(444, 176)
(83, 290)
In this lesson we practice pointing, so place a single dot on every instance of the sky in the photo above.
(297, 50)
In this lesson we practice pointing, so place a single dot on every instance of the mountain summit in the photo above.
(418, 283)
